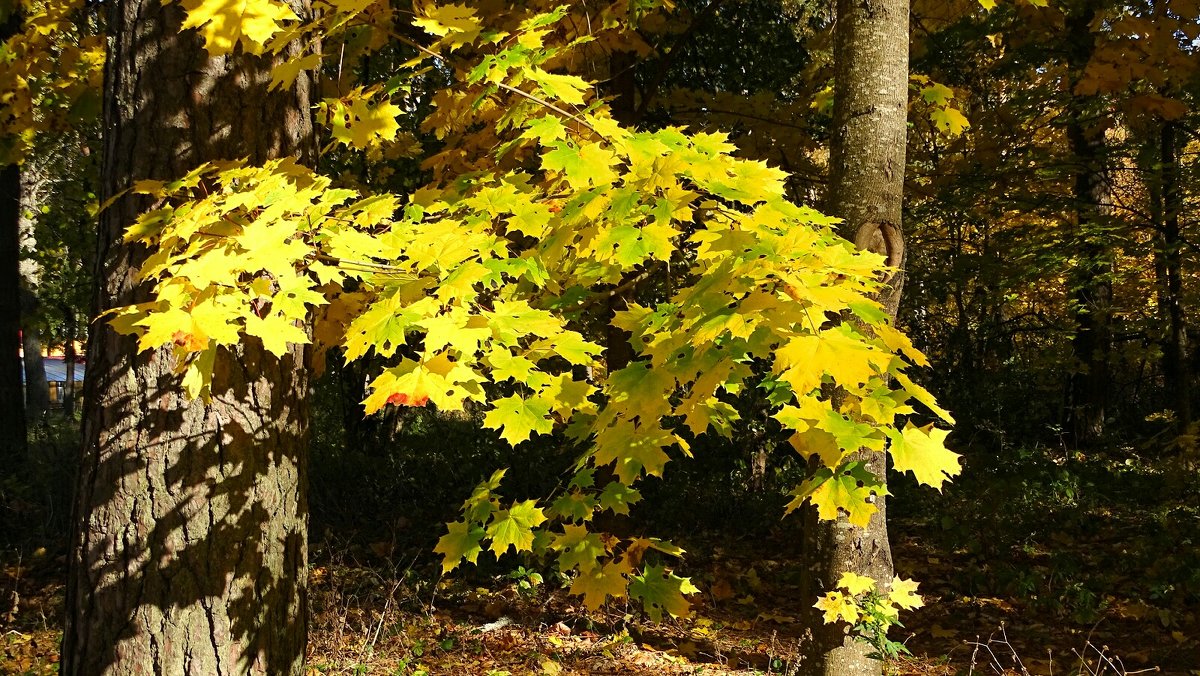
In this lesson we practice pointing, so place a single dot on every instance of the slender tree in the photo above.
(1176, 363)
(1091, 276)
(867, 160)
(37, 389)
(190, 549)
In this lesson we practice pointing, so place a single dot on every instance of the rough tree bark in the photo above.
(189, 549)
(867, 161)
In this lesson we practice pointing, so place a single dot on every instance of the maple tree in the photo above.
(479, 286)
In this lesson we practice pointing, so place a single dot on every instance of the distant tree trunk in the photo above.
(190, 547)
(12, 395)
(70, 335)
(37, 389)
(867, 162)
(1091, 278)
(1176, 366)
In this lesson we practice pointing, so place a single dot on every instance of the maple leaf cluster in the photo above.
(486, 288)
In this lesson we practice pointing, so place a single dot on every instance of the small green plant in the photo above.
(527, 580)
(870, 610)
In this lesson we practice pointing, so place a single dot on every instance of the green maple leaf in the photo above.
(937, 94)
(922, 450)
(512, 319)
(584, 166)
(566, 88)
(505, 365)
(573, 506)
(546, 129)
(514, 527)
(461, 541)
(519, 418)
(659, 590)
(578, 548)
(881, 406)
(630, 245)
(849, 434)
(617, 497)
(570, 345)
(598, 584)
(480, 505)
(631, 449)
(850, 489)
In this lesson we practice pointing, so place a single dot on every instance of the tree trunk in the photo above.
(37, 389)
(1091, 283)
(867, 161)
(189, 549)
(1175, 347)
(71, 333)
(12, 394)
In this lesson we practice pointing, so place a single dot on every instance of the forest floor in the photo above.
(1084, 570)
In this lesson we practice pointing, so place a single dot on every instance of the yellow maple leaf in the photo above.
(284, 74)
(357, 122)
(850, 360)
(456, 25)
(949, 120)
(600, 583)
(855, 584)
(922, 450)
(904, 594)
(447, 384)
(276, 332)
(837, 605)
(224, 23)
